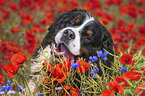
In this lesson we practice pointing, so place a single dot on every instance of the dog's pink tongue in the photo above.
(67, 54)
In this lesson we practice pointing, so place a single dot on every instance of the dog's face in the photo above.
(78, 34)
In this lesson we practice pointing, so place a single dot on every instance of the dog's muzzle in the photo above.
(67, 36)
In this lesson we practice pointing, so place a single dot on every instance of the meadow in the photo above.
(24, 24)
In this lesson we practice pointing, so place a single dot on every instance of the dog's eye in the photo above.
(77, 21)
(88, 32)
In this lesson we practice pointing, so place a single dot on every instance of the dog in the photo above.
(74, 34)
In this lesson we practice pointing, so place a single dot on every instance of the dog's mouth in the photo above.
(62, 50)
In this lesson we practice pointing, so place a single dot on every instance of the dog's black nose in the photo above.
(69, 34)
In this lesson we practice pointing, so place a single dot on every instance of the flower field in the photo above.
(23, 25)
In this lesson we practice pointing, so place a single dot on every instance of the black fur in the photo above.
(100, 38)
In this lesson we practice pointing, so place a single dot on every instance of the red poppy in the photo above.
(18, 58)
(49, 15)
(72, 91)
(11, 69)
(140, 41)
(27, 18)
(1, 77)
(132, 76)
(140, 2)
(117, 50)
(109, 2)
(83, 66)
(124, 10)
(134, 35)
(121, 79)
(107, 92)
(2, 2)
(126, 59)
(48, 66)
(115, 86)
(104, 21)
(124, 47)
(132, 11)
(110, 17)
(13, 6)
(118, 2)
(141, 11)
(1, 20)
(140, 88)
(15, 30)
(120, 23)
(100, 13)
(60, 71)
(141, 30)
(130, 27)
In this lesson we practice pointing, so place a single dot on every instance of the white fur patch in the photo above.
(44, 55)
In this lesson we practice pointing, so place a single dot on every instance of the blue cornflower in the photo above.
(103, 55)
(123, 69)
(9, 82)
(4, 87)
(74, 65)
(92, 71)
(94, 76)
(9, 87)
(82, 89)
(94, 58)
(40, 95)
(19, 88)
(96, 70)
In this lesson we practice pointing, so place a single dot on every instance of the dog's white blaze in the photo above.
(74, 44)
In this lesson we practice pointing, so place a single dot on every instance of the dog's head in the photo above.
(78, 34)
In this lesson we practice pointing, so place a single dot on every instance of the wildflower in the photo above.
(11, 69)
(1, 77)
(73, 91)
(15, 30)
(74, 65)
(115, 86)
(123, 69)
(13, 6)
(40, 95)
(132, 76)
(18, 58)
(103, 55)
(94, 70)
(82, 89)
(121, 79)
(140, 41)
(94, 76)
(94, 58)
(141, 30)
(126, 59)
(140, 88)
(21, 87)
(83, 66)
(9, 82)
(10, 92)
(58, 88)
(107, 92)
(60, 71)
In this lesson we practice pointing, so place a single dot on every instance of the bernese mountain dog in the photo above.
(74, 34)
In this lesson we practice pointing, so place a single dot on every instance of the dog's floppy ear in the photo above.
(107, 44)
